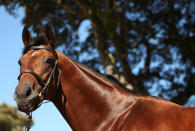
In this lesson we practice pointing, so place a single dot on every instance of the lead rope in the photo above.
(29, 121)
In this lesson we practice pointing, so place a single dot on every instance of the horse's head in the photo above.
(38, 70)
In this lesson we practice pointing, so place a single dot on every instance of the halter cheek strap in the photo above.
(49, 80)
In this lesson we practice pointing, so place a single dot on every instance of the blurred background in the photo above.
(149, 46)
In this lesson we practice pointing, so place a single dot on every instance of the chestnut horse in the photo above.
(87, 100)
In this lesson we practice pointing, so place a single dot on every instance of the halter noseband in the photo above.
(38, 78)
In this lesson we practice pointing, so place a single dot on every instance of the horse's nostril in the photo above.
(28, 91)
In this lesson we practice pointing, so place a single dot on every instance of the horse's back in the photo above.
(155, 114)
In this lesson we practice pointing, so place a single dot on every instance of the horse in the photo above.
(87, 100)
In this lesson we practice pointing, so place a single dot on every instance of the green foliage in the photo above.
(11, 119)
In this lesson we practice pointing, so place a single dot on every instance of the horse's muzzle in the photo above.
(27, 104)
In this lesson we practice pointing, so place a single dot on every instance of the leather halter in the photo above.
(38, 78)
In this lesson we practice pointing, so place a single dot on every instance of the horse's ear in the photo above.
(26, 36)
(48, 34)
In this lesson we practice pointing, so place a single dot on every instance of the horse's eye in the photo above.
(50, 61)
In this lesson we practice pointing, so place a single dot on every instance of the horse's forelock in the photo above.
(40, 40)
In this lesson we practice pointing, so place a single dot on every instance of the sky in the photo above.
(47, 117)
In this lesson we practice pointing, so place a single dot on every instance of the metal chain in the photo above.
(29, 121)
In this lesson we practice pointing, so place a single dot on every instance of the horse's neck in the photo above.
(89, 98)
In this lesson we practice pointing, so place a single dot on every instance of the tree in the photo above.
(11, 119)
(147, 45)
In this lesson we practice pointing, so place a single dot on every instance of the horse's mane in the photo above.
(108, 77)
